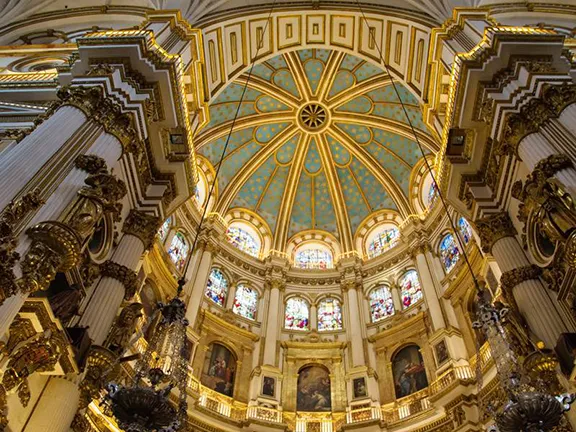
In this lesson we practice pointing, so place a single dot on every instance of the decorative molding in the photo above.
(142, 225)
(493, 228)
(516, 276)
(90, 163)
(122, 274)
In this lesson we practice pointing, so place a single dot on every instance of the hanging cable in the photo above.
(259, 45)
(429, 168)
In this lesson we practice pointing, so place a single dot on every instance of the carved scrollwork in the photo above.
(90, 163)
(493, 228)
(101, 367)
(123, 274)
(516, 276)
(12, 215)
(142, 225)
(124, 327)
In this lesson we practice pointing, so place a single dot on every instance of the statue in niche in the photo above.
(124, 328)
(66, 303)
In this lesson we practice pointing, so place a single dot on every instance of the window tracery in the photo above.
(297, 314)
(314, 258)
(465, 229)
(243, 240)
(449, 252)
(178, 250)
(411, 291)
(217, 287)
(381, 304)
(329, 315)
(384, 240)
(163, 231)
(245, 302)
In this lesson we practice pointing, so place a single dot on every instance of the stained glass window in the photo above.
(297, 314)
(245, 302)
(383, 241)
(313, 259)
(465, 230)
(410, 289)
(217, 287)
(432, 193)
(381, 304)
(449, 252)
(163, 231)
(243, 240)
(329, 315)
(178, 250)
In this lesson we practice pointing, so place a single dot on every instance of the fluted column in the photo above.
(313, 316)
(396, 300)
(207, 253)
(520, 278)
(430, 293)
(119, 275)
(272, 322)
(57, 406)
(356, 335)
(568, 118)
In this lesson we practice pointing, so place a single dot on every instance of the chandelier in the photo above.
(143, 404)
(531, 405)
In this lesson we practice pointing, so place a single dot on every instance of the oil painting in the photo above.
(409, 372)
(219, 370)
(314, 389)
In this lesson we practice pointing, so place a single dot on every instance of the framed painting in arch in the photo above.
(219, 370)
(408, 371)
(441, 352)
(359, 387)
(269, 386)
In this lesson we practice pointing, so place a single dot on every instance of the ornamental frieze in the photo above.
(514, 277)
(142, 225)
(122, 274)
(493, 228)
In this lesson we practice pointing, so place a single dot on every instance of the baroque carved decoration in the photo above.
(123, 274)
(11, 216)
(142, 225)
(124, 328)
(90, 163)
(101, 367)
(516, 276)
(493, 228)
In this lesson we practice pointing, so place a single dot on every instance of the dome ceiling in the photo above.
(321, 142)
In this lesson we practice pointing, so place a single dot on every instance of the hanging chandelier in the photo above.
(144, 404)
(530, 406)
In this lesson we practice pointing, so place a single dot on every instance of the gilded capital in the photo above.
(493, 228)
(516, 276)
(142, 225)
(90, 163)
(123, 274)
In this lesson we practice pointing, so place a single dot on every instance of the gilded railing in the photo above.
(263, 413)
(452, 377)
(363, 414)
(406, 406)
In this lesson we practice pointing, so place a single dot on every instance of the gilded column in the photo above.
(520, 278)
(428, 286)
(119, 275)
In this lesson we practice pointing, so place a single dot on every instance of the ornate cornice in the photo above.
(493, 228)
(122, 274)
(142, 225)
(516, 276)
(90, 163)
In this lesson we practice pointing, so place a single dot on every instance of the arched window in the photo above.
(465, 230)
(432, 194)
(200, 189)
(381, 304)
(245, 302)
(217, 287)
(163, 231)
(408, 371)
(329, 315)
(314, 258)
(382, 241)
(411, 291)
(449, 252)
(297, 314)
(243, 240)
(178, 251)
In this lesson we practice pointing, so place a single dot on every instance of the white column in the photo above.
(356, 336)
(104, 304)
(56, 408)
(105, 146)
(396, 299)
(568, 118)
(231, 296)
(535, 147)
(313, 317)
(563, 139)
(21, 162)
(532, 298)
(430, 293)
(272, 325)
(199, 285)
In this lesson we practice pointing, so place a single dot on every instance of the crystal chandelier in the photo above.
(530, 404)
(143, 405)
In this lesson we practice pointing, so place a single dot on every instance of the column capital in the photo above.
(516, 276)
(494, 227)
(420, 248)
(347, 285)
(122, 274)
(90, 163)
(279, 284)
(142, 225)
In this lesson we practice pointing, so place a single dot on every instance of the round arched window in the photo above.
(313, 256)
(217, 287)
(449, 252)
(382, 240)
(297, 314)
(465, 230)
(244, 239)
(245, 302)
(381, 303)
(163, 231)
(200, 191)
(178, 251)
(329, 315)
(410, 289)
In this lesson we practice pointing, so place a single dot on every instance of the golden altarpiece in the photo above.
(329, 181)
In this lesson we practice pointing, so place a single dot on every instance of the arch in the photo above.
(329, 314)
(408, 371)
(207, 174)
(381, 303)
(245, 238)
(410, 288)
(448, 252)
(217, 286)
(381, 239)
(303, 237)
(314, 255)
(165, 228)
(372, 223)
(297, 314)
(252, 224)
(179, 250)
(465, 230)
(420, 182)
(314, 389)
(219, 370)
(245, 301)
